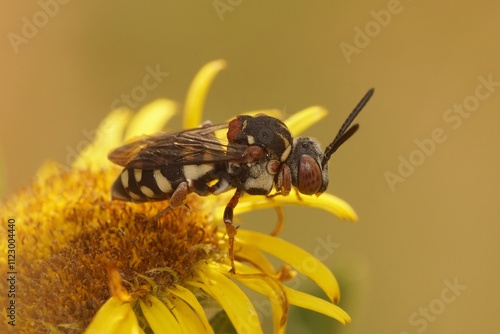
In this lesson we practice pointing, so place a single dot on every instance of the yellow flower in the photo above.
(83, 262)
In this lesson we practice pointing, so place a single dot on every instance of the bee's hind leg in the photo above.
(178, 199)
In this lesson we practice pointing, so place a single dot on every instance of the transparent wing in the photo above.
(188, 147)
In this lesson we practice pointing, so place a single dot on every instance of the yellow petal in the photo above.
(115, 284)
(107, 136)
(316, 304)
(47, 170)
(326, 202)
(252, 254)
(151, 118)
(159, 317)
(232, 299)
(195, 100)
(114, 317)
(188, 319)
(298, 258)
(191, 300)
(269, 287)
(303, 119)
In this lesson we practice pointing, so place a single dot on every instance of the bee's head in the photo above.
(308, 175)
(309, 164)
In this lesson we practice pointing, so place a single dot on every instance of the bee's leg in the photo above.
(221, 186)
(179, 196)
(283, 181)
(230, 229)
(177, 199)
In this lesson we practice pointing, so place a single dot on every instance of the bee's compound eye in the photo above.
(309, 177)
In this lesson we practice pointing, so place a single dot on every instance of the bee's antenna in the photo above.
(345, 131)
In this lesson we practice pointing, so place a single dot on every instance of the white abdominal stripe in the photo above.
(144, 185)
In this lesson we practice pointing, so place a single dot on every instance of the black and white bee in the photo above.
(258, 156)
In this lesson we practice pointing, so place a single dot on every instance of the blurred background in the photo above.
(421, 173)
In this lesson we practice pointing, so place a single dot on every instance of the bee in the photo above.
(306, 168)
(258, 156)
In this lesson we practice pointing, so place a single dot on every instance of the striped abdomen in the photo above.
(145, 185)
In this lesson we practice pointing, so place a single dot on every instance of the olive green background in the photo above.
(438, 224)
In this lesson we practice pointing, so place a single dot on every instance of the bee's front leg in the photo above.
(282, 181)
(230, 228)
